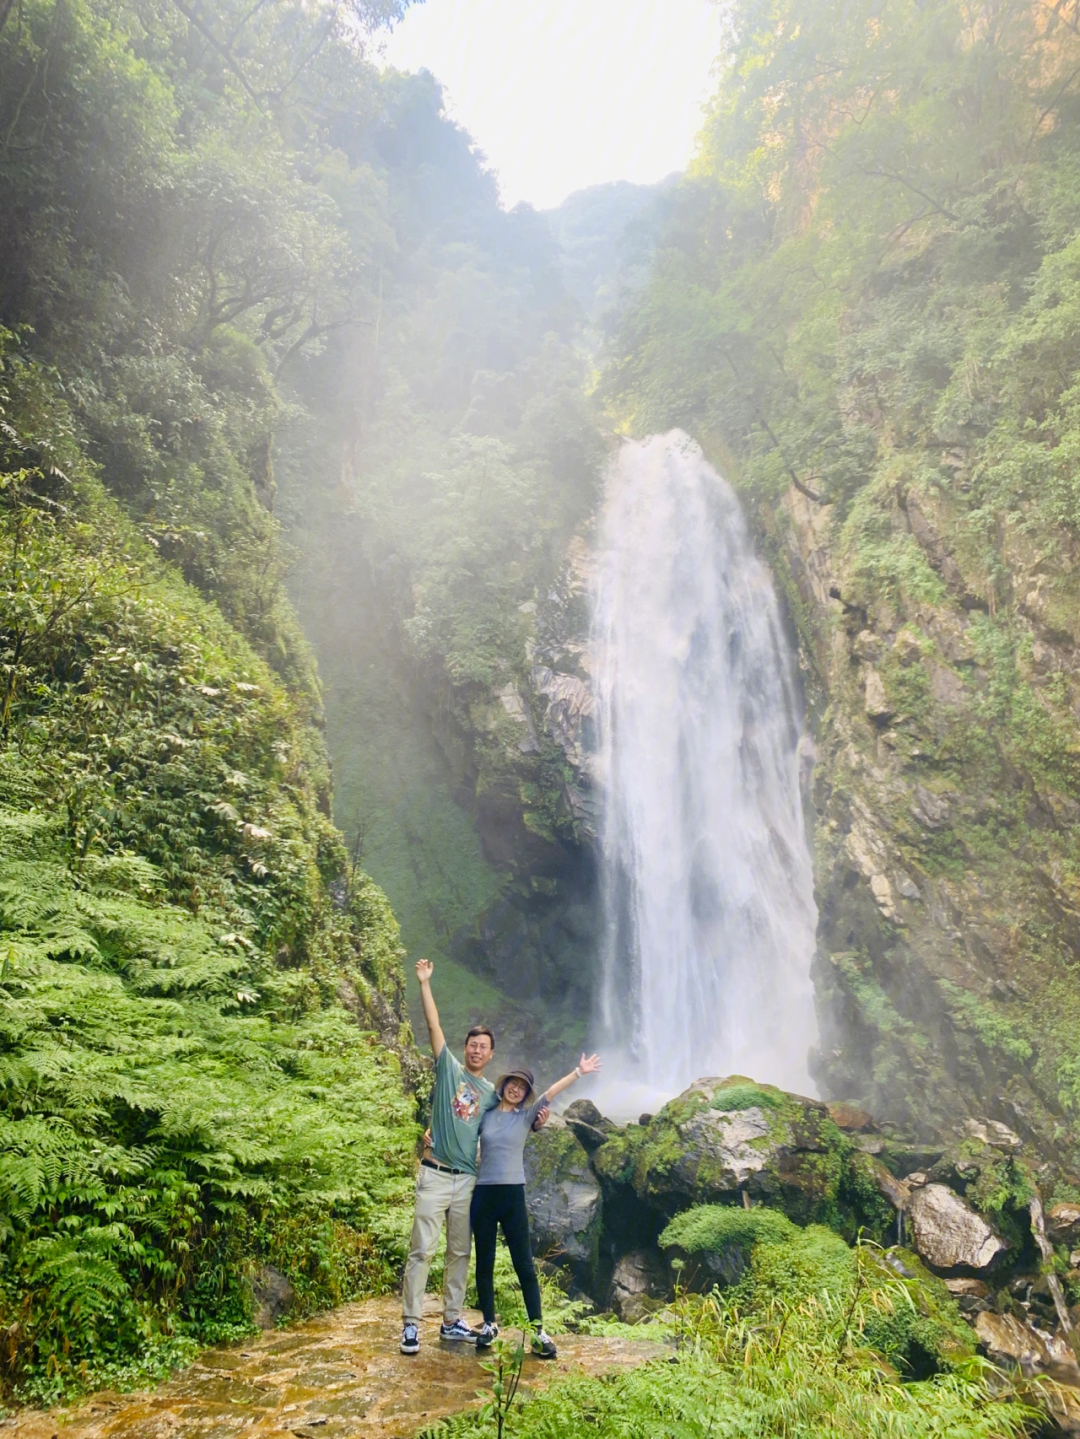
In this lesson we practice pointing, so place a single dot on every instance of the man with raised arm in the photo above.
(447, 1175)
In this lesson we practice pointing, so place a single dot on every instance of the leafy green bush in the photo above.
(712, 1226)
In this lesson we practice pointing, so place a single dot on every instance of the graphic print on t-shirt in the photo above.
(466, 1102)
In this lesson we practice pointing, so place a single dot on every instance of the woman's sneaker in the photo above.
(458, 1330)
(542, 1347)
(487, 1336)
(410, 1339)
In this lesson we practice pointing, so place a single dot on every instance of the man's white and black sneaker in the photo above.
(458, 1330)
(487, 1336)
(542, 1347)
(410, 1339)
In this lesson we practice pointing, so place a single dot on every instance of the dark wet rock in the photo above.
(949, 1234)
(273, 1294)
(1010, 1342)
(638, 1282)
(972, 1288)
(585, 1111)
(850, 1117)
(896, 1191)
(563, 1197)
(590, 1126)
(588, 1136)
(971, 1295)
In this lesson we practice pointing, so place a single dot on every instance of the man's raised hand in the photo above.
(424, 969)
(589, 1065)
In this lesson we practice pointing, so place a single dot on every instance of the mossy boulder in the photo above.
(564, 1199)
(723, 1139)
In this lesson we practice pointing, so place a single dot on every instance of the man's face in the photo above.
(478, 1050)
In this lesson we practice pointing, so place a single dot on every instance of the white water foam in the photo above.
(706, 870)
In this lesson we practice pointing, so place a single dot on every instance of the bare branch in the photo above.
(221, 49)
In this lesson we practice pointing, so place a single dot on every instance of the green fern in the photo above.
(181, 1091)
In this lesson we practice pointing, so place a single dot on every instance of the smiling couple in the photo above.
(467, 1108)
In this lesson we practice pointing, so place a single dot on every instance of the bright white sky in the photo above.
(561, 94)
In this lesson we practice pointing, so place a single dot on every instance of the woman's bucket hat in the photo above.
(526, 1077)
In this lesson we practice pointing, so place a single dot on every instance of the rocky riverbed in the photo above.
(334, 1377)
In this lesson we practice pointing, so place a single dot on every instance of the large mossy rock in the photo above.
(563, 1197)
(725, 1138)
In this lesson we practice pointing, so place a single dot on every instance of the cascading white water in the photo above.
(706, 870)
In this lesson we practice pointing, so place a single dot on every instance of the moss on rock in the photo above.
(725, 1138)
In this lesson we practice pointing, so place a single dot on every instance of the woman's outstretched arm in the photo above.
(586, 1066)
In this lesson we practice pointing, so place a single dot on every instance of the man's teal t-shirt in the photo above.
(457, 1104)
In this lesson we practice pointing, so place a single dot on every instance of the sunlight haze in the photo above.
(559, 94)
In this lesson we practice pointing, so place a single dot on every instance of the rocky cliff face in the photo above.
(523, 761)
(944, 790)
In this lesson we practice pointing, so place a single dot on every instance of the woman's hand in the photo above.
(589, 1065)
(424, 969)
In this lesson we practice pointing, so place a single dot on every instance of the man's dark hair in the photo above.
(481, 1029)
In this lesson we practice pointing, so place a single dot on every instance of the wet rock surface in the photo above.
(1010, 1343)
(588, 1124)
(637, 1278)
(336, 1376)
(563, 1197)
(274, 1296)
(1063, 1224)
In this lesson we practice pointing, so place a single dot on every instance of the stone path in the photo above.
(336, 1376)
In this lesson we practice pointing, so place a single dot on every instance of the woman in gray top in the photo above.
(499, 1196)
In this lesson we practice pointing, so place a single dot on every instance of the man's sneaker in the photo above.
(410, 1339)
(542, 1347)
(487, 1335)
(458, 1330)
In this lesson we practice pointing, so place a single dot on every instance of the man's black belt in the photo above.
(442, 1168)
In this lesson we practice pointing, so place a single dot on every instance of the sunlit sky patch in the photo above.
(561, 94)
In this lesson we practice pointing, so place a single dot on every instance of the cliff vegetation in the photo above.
(204, 1057)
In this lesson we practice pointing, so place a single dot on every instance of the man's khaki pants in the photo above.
(440, 1199)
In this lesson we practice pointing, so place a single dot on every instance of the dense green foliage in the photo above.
(163, 236)
(814, 1341)
(201, 1026)
(184, 1095)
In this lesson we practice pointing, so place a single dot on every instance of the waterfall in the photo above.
(706, 871)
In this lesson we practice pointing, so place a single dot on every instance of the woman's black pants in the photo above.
(492, 1205)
